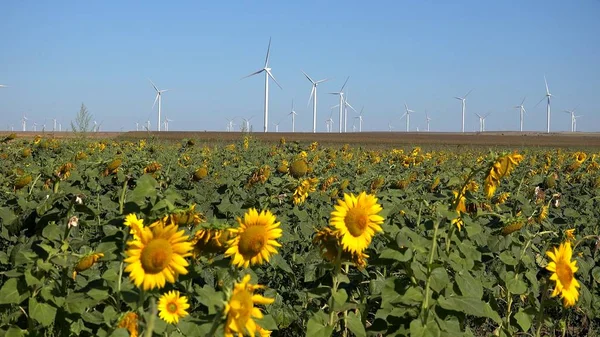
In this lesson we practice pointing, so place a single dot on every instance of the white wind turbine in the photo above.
(547, 97)
(329, 121)
(483, 121)
(137, 126)
(463, 102)
(229, 124)
(159, 99)
(480, 122)
(54, 126)
(166, 122)
(346, 105)
(148, 125)
(247, 123)
(521, 113)
(95, 129)
(575, 122)
(428, 119)
(268, 74)
(34, 126)
(390, 127)
(59, 127)
(572, 113)
(341, 104)
(313, 97)
(277, 126)
(407, 114)
(293, 113)
(360, 119)
(24, 122)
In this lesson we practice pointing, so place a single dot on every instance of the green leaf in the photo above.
(524, 319)
(439, 279)
(7, 215)
(339, 299)
(76, 303)
(596, 274)
(52, 232)
(516, 286)
(468, 285)
(145, 187)
(279, 262)
(394, 254)
(429, 330)
(470, 306)
(508, 258)
(267, 322)
(355, 325)
(120, 332)
(41, 312)
(15, 332)
(9, 294)
(317, 326)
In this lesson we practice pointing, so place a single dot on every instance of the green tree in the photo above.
(83, 121)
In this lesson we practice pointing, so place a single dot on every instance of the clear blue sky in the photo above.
(56, 55)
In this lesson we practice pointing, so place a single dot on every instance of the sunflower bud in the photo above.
(26, 153)
(86, 263)
(299, 168)
(22, 182)
(200, 174)
(513, 227)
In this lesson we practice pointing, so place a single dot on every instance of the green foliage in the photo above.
(83, 121)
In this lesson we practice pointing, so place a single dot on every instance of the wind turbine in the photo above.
(463, 101)
(229, 124)
(137, 126)
(34, 126)
(24, 122)
(277, 126)
(293, 113)
(407, 114)
(95, 127)
(54, 126)
(59, 127)
(268, 74)
(167, 120)
(247, 123)
(548, 96)
(480, 122)
(390, 127)
(428, 119)
(483, 121)
(159, 99)
(360, 119)
(313, 97)
(346, 105)
(521, 112)
(148, 125)
(329, 121)
(341, 105)
(575, 122)
(572, 112)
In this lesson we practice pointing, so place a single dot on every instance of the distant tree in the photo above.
(83, 121)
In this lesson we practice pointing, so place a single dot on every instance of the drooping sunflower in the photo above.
(563, 273)
(136, 225)
(329, 242)
(130, 322)
(570, 234)
(157, 256)
(86, 263)
(254, 241)
(240, 309)
(172, 307)
(210, 241)
(356, 219)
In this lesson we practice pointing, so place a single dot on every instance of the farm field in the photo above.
(372, 234)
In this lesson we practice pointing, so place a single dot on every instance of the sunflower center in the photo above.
(172, 308)
(565, 273)
(252, 240)
(357, 220)
(156, 256)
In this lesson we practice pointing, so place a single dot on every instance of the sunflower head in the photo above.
(22, 181)
(563, 273)
(240, 309)
(254, 240)
(135, 224)
(210, 241)
(299, 168)
(157, 256)
(356, 219)
(172, 307)
(200, 174)
(329, 243)
(86, 263)
(129, 321)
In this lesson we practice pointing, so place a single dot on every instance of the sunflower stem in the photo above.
(152, 319)
(122, 197)
(424, 308)
(540, 315)
(587, 237)
(214, 326)
(335, 283)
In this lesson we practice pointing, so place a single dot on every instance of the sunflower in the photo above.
(303, 189)
(563, 270)
(130, 322)
(210, 241)
(86, 263)
(569, 233)
(171, 307)
(499, 169)
(240, 309)
(254, 240)
(329, 243)
(157, 256)
(355, 219)
(135, 224)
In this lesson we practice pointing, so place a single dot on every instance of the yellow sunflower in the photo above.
(130, 322)
(171, 307)
(254, 241)
(356, 220)
(135, 224)
(563, 270)
(240, 309)
(570, 234)
(157, 256)
(210, 241)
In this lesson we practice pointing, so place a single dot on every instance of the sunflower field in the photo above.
(155, 238)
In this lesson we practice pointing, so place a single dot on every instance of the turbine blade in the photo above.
(312, 92)
(405, 107)
(155, 99)
(254, 73)
(351, 107)
(546, 82)
(543, 98)
(523, 101)
(268, 52)
(321, 81)
(345, 83)
(308, 77)
(273, 78)
(155, 88)
(458, 98)
(465, 96)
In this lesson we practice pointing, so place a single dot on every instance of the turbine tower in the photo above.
(521, 112)
(463, 102)
(360, 119)
(547, 97)
(346, 105)
(483, 121)
(293, 113)
(24, 122)
(313, 97)
(572, 112)
(480, 122)
(159, 99)
(407, 114)
(575, 122)
(341, 105)
(428, 119)
(268, 74)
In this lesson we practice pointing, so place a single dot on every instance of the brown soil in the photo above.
(368, 139)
